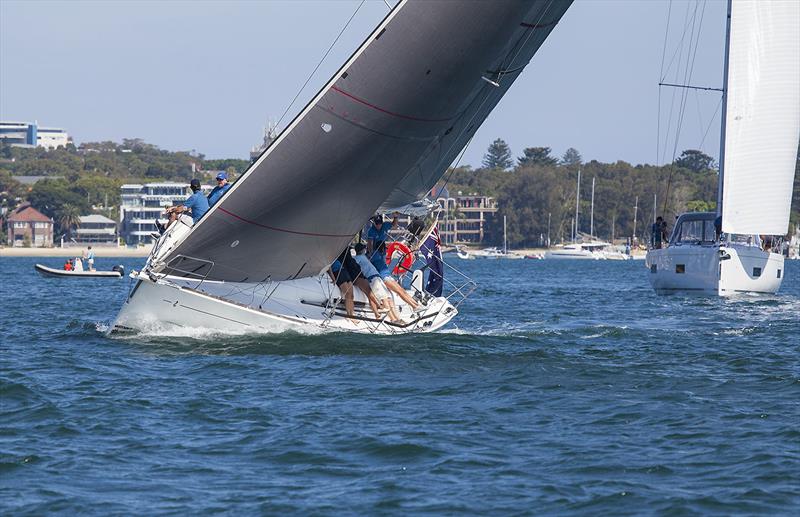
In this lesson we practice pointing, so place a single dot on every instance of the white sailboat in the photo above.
(495, 252)
(758, 146)
(378, 135)
(584, 247)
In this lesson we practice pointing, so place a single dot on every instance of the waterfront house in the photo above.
(29, 227)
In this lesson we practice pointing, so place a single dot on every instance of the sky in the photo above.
(208, 76)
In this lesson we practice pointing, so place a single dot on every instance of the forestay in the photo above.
(763, 116)
(381, 132)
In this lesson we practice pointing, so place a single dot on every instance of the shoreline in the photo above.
(75, 252)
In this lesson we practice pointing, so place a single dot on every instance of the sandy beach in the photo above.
(75, 252)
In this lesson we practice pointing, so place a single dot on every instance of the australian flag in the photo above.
(432, 252)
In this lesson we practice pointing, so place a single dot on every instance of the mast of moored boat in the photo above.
(505, 240)
(591, 217)
(577, 205)
(635, 212)
(724, 110)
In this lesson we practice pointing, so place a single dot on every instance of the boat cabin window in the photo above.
(744, 240)
(694, 231)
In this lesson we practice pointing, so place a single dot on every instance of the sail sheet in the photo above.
(380, 132)
(762, 126)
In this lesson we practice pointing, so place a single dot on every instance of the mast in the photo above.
(635, 211)
(548, 228)
(572, 228)
(613, 222)
(655, 205)
(505, 241)
(577, 206)
(724, 111)
(591, 217)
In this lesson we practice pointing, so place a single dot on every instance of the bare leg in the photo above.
(349, 304)
(392, 311)
(362, 284)
(392, 284)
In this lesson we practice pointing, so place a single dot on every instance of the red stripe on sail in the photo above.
(377, 108)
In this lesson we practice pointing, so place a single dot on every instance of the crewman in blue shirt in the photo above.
(222, 187)
(377, 235)
(197, 204)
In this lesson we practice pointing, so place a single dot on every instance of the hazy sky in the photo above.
(208, 75)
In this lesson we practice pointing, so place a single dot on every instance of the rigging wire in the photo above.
(661, 77)
(321, 61)
(502, 72)
(691, 56)
(710, 123)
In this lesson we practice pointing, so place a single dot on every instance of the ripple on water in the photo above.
(568, 388)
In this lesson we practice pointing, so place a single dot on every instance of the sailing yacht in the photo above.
(496, 253)
(584, 247)
(378, 135)
(724, 252)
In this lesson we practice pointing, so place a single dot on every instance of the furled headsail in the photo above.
(762, 126)
(380, 133)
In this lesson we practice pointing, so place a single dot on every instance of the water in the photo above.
(564, 387)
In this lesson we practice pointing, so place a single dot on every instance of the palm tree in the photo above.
(67, 217)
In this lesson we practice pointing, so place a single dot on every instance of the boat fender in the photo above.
(406, 257)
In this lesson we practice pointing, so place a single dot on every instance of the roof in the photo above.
(29, 214)
(96, 218)
(30, 180)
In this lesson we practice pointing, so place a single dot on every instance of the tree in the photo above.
(67, 217)
(498, 155)
(536, 156)
(695, 161)
(571, 157)
(48, 196)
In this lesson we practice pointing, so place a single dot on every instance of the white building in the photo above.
(26, 134)
(96, 229)
(52, 138)
(143, 204)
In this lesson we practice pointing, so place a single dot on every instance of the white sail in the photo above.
(762, 126)
(381, 131)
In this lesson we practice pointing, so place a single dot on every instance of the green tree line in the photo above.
(537, 187)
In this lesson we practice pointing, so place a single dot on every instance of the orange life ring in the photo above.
(406, 257)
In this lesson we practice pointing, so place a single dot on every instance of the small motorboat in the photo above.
(116, 272)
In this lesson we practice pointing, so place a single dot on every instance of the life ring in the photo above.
(406, 257)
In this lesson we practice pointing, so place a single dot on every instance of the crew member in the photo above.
(197, 204)
(377, 235)
(222, 187)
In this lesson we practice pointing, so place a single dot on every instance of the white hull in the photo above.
(299, 305)
(714, 269)
(570, 254)
(48, 271)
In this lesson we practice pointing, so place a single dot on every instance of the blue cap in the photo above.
(222, 175)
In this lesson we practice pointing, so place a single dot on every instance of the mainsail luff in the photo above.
(381, 131)
(762, 120)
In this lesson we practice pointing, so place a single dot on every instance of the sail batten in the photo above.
(381, 132)
(762, 124)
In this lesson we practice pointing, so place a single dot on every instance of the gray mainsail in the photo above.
(380, 133)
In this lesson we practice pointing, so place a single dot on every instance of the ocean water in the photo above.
(561, 388)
